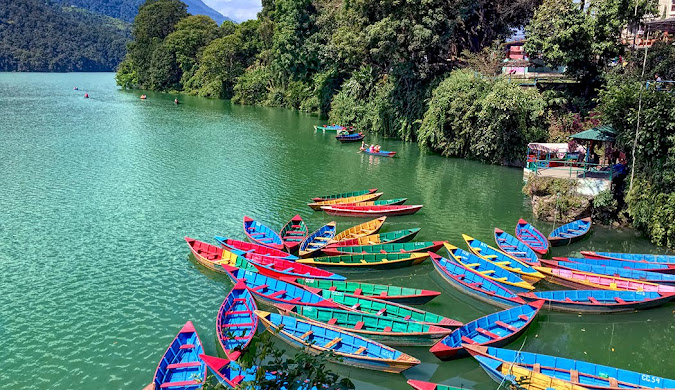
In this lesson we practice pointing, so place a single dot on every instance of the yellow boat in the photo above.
(532, 380)
(352, 199)
(501, 259)
(361, 230)
(216, 258)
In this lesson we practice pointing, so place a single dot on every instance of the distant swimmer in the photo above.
(75, 88)
(86, 96)
(143, 97)
(175, 101)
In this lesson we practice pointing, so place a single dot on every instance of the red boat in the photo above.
(370, 211)
(280, 268)
(241, 247)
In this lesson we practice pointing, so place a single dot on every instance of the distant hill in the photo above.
(40, 36)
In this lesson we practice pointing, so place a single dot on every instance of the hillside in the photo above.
(43, 37)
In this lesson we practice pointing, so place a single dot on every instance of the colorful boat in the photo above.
(350, 137)
(531, 237)
(389, 331)
(496, 329)
(386, 202)
(404, 235)
(588, 375)
(242, 247)
(375, 260)
(500, 259)
(346, 210)
(293, 232)
(491, 271)
(180, 367)
(651, 277)
(229, 373)
(236, 323)
(475, 284)
(571, 232)
(361, 230)
(351, 349)
(515, 248)
(649, 258)
(587, 280)
(262, 235)
(344, 195)
(421, 385)
(280, 268)
(215, 258)
(636, 265)
(401, 247)
(383, 153)
(403, 295)
(335, 128)
(273, 291)
(387, 309)
(316, 206)
(598, 301)
(317, 240)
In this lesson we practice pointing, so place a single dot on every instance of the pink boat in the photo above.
(370, 211)
(586, 280)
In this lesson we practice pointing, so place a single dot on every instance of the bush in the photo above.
(605, 207)
(253, 86)
(653, 212)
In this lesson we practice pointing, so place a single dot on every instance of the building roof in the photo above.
(667, 24)
(600, 133)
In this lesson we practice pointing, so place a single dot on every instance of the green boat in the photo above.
(397, 247)
(379, 260)
(389, 309)
(344, 195)
(387, 202)
(404, 295)
(382, 238)
(386, 330)
(421, 385)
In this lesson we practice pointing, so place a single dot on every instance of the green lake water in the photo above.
(96, 195)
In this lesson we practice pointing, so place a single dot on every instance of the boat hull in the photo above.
(590, 308)
(371, 211)
(557, 240)
(532, 237)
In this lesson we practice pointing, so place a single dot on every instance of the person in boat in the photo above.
(143, 97)
(86, 96)
(75, 88)
(377, 148)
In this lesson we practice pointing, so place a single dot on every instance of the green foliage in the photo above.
(543, 185)
(253, 86)
(605, 207)
(653, 212)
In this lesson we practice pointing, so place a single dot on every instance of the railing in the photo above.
(574, 169)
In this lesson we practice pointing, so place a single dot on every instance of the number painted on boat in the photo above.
(650, 378)
(309, 280)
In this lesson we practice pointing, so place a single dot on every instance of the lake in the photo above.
(97, 194)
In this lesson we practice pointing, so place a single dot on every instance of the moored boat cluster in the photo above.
(293, 272)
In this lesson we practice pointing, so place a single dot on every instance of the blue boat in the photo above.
(531, 237)
(262, 235)
(236, 322)
(589, 375)
(571, 232)
(273, 291)
(661, 259)
(180, 367)
(491, 271)
(351, 349)
(516, 248)
(383, 153)
(231, 375)
(500, 259)
(316, 241)
(474, 283)
(598, 301)
(496, 329)
(636, 265)
(651, 277)
(350, 137)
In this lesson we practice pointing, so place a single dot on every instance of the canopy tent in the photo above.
(600, 133)
(559, 149)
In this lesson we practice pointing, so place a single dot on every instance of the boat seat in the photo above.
(593, 300)
(501, 239)
(524, 317)
(472, 265)
(407, 318)
(332, 288)
(488, 272)
(487, 333)
(278, 293)
(387, 328)
(183, 365)
(506, 326)
(475, 284)
(332, 342)
(468, 340)
(536, 368)
(461, 276)
(619, 300)
(381, 311)
(289, 269)
(356, 306)
(567, 299)
(332, 321)
(358, 291)
(384, 252)
(490, 256)
(187, 346)
(383, 294)
(180, 384)
(261, 287)
(257, 234)
(360, 350)
(359, 325)
(235, 312)
(574, 376)
(613, 382)
(244, 325)
(296, 299)
(306, 334)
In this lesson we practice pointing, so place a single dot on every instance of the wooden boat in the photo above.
(598, 301)
(350, 137)
(421, 385)
(236, 323)
(317, 240)
(353, 350)
(335, 128)
(636, 265)
(229, 373)
(361, 230)
(588, 375)
(316, 206)
(474, 283)
(531, 237)
(651, 277)
(403, 295)
(375, 260)
(387, 309)
(491, 271)
(241, 247)
(389, 331)
(515, 248)
(293, 232)
(370, 211)
(270, 291)
(386, 202)
(496, 329)
(500, 259)
(344, 195)
(401, 247)
(383, 153)
(180, 367)
(587, 280)
(280, 268)
(381, 238)
(215, 258)
(571, 232)
(262, 235)
(661, 259)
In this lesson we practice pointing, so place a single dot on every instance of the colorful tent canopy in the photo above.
(600, 133)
